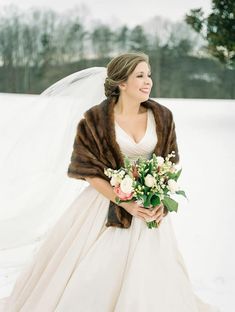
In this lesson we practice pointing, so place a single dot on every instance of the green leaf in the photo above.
(142, 178)
(180, 192)
(117, 200)
(155, 200)
(178, 174)
(170, 204)
(171, 175)
(126, 162)
(147, 201)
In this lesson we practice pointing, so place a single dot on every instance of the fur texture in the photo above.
(95, 148)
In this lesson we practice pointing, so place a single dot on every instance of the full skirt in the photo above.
(84, 266)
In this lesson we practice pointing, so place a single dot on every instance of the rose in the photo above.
(115, 181)
(122, 195)
(149, 180)
(160, 160)
(172, 186)
(126, 185)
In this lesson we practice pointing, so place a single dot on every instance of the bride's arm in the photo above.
(104, 187)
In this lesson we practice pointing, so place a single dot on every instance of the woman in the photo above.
(101, 256)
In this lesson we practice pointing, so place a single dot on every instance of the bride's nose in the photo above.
(148, 80)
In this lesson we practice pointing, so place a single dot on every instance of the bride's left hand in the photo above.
(158, 214)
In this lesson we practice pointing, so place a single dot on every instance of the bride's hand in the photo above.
(135, 210)
(159, 213)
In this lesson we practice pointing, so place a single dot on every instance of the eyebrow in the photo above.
(142, 72)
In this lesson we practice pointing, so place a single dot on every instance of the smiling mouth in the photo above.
(145, 90)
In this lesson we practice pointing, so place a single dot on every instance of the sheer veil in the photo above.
(36, 147)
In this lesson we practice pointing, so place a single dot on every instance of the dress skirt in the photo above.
(84, 266)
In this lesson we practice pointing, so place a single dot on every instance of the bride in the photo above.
(101, 256)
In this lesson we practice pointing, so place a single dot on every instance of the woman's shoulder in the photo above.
(158, 108)
(95, 110)
(88, 115)
(104, 110)
(96, 118)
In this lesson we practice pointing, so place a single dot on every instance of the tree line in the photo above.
(39, 47)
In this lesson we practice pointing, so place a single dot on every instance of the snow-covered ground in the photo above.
(203, 225)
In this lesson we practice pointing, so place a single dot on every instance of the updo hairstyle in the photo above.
(118, 70)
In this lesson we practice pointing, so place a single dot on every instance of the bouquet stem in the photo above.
(152, 224)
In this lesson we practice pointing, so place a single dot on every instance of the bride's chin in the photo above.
(144, 98)
(141, 99)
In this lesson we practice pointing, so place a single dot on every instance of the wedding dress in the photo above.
(84, 266)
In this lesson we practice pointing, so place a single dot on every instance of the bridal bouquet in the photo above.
(149, 182)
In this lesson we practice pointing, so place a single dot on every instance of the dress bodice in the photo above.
(144, 147)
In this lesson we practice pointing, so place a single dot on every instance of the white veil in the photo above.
(36, 145)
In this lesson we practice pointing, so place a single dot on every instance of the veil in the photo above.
(36, 144)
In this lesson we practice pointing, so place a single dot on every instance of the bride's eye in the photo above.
(149, 75)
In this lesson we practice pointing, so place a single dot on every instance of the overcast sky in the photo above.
(130, 12)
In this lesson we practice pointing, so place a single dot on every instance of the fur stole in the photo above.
(95, 148)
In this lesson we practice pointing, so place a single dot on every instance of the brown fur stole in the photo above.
(95, 148)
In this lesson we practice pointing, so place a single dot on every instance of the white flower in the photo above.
(122, 173)
(160, 160)
(149, 180)
(107, 172)
(172, 186)
(126, 185)
(115, 181)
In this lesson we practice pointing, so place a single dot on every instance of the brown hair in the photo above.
(118, 70)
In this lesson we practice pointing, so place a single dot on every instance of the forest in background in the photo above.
(37, 48)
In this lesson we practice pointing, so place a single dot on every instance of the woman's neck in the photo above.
(128, 107)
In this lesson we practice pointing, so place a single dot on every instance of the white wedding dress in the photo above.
(84, 266)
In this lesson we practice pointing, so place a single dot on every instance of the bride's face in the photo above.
(139, 83)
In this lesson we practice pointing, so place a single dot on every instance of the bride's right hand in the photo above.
(135, 210)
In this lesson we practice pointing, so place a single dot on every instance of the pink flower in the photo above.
(172, 169)
(121, 194)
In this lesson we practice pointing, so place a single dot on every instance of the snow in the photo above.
(203, 225)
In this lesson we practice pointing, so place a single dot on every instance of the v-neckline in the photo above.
(130, 137)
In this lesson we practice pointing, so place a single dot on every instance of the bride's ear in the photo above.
(122, 86)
